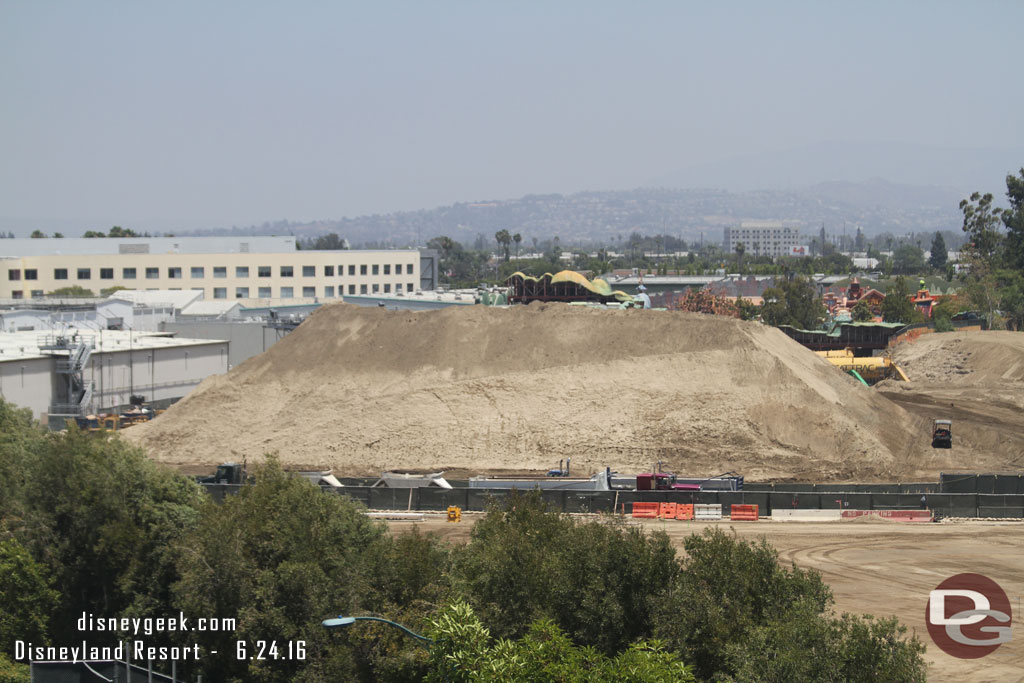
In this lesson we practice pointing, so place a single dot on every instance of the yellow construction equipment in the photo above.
(870, 369)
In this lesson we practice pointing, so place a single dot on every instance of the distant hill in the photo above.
(876, 206)
(962, 169)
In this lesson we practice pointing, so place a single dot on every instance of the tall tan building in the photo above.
(764, 238)
(252, 270)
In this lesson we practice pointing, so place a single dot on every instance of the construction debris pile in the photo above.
(480, 389)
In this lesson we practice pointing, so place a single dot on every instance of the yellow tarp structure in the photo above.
(597, 285)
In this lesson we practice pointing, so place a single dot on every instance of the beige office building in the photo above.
(252, 270)
(764, 238)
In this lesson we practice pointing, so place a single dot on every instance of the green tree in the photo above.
(523, 563)
(37, 234)
(72, 291)
(1013, 219)
(26, 597)
(793, 302)
(897, 307)
(809, 646)
(94, 233)
(279, 556)
(938, 256)
(107, 291)
(518, 239)
(58, 235)
(981, 223)
(727, 588)
(118, 231)
(103, 519)
(908, 259)
(861, 312)
(504, 239)
(465, 652)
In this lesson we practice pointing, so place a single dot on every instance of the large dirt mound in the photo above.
(975, 379)
(484, 389)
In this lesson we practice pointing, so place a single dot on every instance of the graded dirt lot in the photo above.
(480, 389)
(975, 379)
(883, 569)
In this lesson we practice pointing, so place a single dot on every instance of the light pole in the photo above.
(348, 621)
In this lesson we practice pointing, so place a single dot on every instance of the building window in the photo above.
(387, 269)
(198, 272)
(287, 293)
(241, 292)
(106, 273)
(127, 273)
(408, 269)
(387, 288)
(287, 271)
(308, 292)
(31, 274)
(152, 273)
(329, 292)
(376, 269)
(220, 292)
(60, 273)
(362, 289)
(17, 294)
(264, 271)
(398, 269)
(241, 271)
(328, 271)
(220, 271)
(264, 292)
(84, 273)
(352, 289)
(308, 271)
(14, 274)
(410, 287)
(352, 270)
(174, 273)
(376, 288)
(398, 288)
(37, 294)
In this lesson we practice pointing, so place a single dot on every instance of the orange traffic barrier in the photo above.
(667, 511)
(646, 510)
(743, 513)
(684, 511)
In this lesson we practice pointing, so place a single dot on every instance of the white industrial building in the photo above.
(60, 374)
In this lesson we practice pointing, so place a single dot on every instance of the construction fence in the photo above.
(993, 505)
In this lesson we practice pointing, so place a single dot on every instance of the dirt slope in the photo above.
(482, 389)
(975, 379)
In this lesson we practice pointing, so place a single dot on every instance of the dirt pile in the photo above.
(975, 379)
(482, 389)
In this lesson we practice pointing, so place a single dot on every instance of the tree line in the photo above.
(88, 524)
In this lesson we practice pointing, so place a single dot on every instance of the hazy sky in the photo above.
(204, 114)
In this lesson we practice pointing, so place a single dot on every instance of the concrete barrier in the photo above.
(707, 512)
(806, 515)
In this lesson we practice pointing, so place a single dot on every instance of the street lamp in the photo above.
(348, 621)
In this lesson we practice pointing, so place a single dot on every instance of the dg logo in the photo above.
(968, 616)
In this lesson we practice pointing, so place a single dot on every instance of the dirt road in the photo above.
(883, 569)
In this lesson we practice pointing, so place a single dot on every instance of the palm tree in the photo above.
(518, 239)
(504, 239)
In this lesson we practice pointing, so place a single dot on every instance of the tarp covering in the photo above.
(564, 285)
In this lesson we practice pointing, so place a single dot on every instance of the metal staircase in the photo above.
(73, 393)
